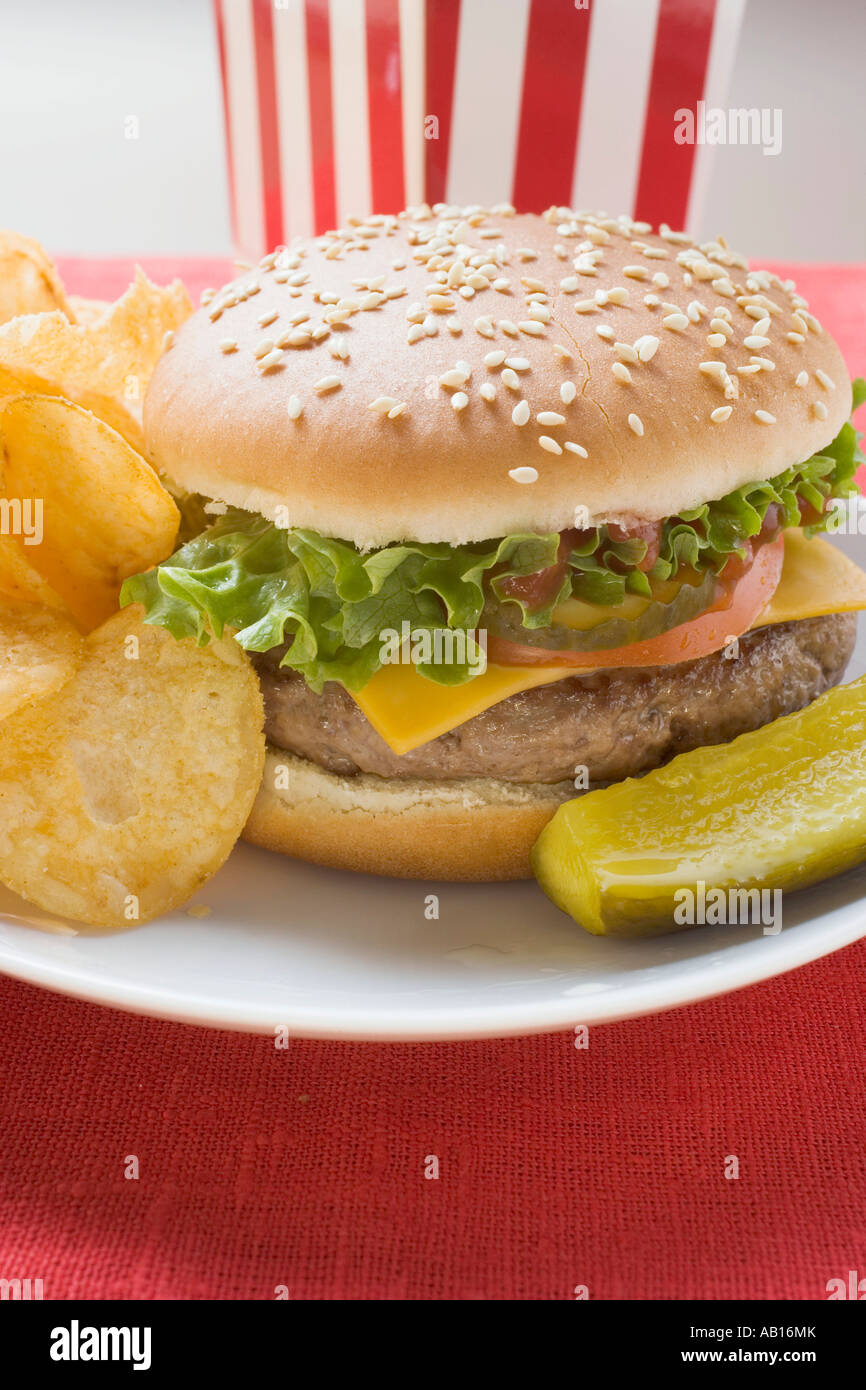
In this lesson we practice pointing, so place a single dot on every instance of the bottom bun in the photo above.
(475, 831)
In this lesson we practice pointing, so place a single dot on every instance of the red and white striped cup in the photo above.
(338, 107)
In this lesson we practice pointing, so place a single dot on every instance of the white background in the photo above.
(73, 71)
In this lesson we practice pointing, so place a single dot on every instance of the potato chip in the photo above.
(19, 581)
(39, 651)
(113, 412)
(104, 513)
(87, 311)
(29, 283)
(123, 792)
(112, 356)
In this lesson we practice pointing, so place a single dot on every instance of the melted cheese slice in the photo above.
(408, 710)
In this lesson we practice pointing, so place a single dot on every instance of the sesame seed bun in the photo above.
(448, 460)
(478, 830)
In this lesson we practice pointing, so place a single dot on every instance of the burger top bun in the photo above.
(460, 374)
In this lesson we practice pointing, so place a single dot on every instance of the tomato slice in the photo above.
(733, 614)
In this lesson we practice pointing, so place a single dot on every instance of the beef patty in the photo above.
(615, 723)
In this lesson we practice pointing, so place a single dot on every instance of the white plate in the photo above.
(336, 955)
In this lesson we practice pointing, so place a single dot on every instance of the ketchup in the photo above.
(536, 590)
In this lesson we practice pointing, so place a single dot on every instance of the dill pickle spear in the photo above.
(782, 807)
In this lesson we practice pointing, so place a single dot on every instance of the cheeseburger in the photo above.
(501, 507)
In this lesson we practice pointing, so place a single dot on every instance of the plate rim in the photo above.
(746, 963)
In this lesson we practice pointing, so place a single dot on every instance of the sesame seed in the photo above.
(510, 379)
(327, 383)
(567, 392)
(228, 344)
(488, 391)
(167, 339)
(460, 401)
(801, 379)
(454, 378)
(721, 412)
(550, 418)
(382, 404)
(523, 475)
(531, 326)
(826, 381)
(765, 417)
(270, 359)
(263, 347)
(636, 272)
(539, 313)
(575, 449)
(502, 285)
(635, 423)
(466, 292)
(441, 303)
(795, 337)
(748, 371)
(618, 295)
(521, 412)
(661, 279)
(585, 306)
(549, 444)
(721, 326)
(716, 340)
(604, 330)
(295, 407)
(625, 352)
(494, 359)
(676, 322)
(454, 326)
(820, 409)
(508, 327)
(764, 325)
(621, 372)
(518, 364)
(430, 326)
(652, 301)
(563, 352)
(416, 331)
(484, 326)
(755, 341)
(298, 337)
(647, 346)
(570, 284)
(267, 317)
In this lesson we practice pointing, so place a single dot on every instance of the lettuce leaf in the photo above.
(331, 603)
